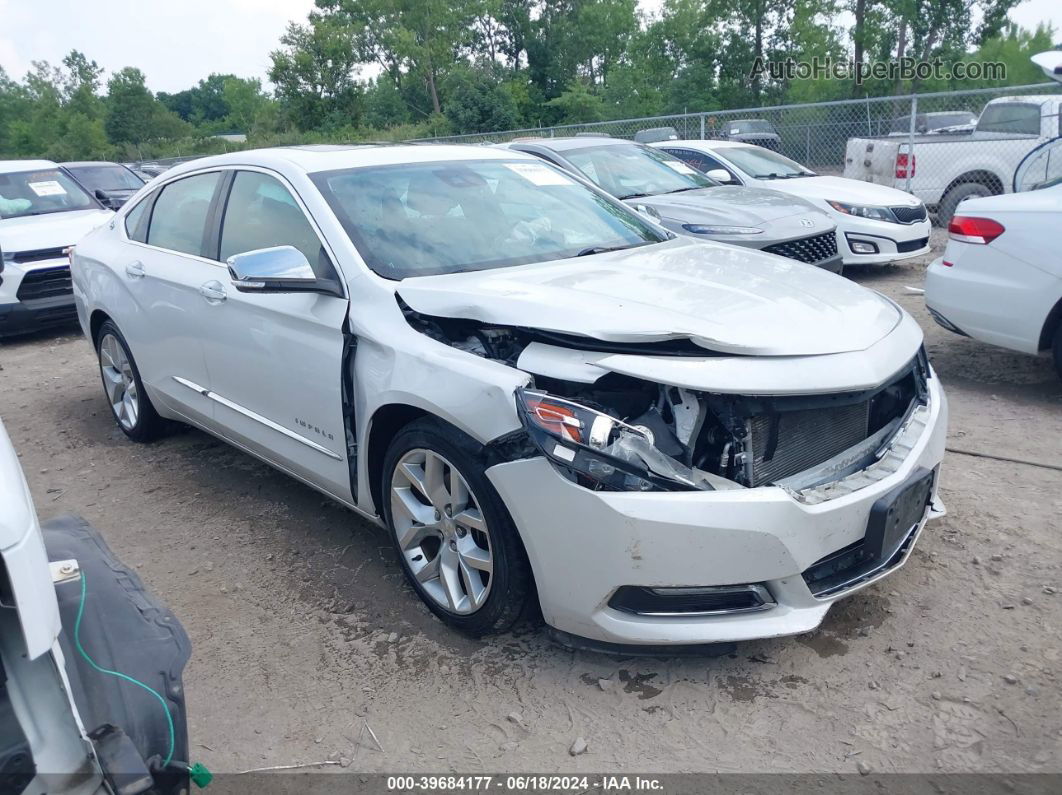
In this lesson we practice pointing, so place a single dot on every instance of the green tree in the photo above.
(314, 74)
(134, 115)
(130, 107)
(408, 39)
(577, 105)
(477, 102)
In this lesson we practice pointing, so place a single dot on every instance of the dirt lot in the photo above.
(304, 631)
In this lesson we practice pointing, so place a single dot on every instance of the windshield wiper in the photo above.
(633, 196)
(691, 187)
(604, 249)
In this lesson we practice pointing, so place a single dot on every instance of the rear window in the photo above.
(42, 192)
(106, 177)
(1021, 118)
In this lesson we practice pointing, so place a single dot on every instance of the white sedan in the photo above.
(1000, 279)
(876, 224)
(540, 393)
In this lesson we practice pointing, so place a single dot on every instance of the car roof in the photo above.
(15, 166)
(91, 163)
(574, 142)
(707, 145)
(329, 157)
(1039, 98)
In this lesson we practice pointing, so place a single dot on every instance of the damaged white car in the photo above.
(542, 394)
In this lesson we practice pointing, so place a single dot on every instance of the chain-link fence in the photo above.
(942, 147)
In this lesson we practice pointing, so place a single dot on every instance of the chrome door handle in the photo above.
(135, 270)
(212, 291)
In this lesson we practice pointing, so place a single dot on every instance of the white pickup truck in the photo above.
(943, 170)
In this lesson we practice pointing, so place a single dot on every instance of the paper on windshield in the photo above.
(538, 174)
(47, 188)
(680, 167)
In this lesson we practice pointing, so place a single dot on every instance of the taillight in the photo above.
(968, 229)
(903, 161)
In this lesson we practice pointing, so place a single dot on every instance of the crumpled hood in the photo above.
(730, 205)
(52, 230)
(839, 189)
(723, 298)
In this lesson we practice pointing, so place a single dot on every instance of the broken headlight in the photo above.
(600, 451)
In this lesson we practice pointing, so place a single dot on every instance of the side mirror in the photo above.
(720, 175)
(281, 269)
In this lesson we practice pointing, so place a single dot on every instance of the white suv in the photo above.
(528, 383)
(42, 213)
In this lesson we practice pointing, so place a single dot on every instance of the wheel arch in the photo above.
(384, 425)
(977, 177)
(96, 321)
(1051, 324)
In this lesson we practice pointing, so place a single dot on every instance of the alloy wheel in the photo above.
(119, 382)
(441, 531)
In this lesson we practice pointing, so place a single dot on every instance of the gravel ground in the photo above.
(304, 632)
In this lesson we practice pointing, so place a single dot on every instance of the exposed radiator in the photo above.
(801, 440)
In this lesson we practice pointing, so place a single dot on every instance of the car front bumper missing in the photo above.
(584, 546)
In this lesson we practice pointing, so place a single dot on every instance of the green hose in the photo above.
(138, 683)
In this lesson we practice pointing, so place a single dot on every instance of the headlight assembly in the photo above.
(864, 211)
(712, 229)
(601, 452)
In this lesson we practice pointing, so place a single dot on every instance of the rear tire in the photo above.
(129, 403)
(1056, 350)
(952, 199)
(453, 535)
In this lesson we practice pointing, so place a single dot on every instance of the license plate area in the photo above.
(896, 513)
(886, 542)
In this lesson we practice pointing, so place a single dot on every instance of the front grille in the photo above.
(45, 283)
(39, 255)
(912, 245)
(784, 443)
(909, 215)
(807, 249)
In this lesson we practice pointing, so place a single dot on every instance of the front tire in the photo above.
(454, 538)
(129, 402)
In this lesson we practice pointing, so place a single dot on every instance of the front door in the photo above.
(275, 359)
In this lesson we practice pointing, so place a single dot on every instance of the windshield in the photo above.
(106, 177)
(1022, 118)
(429, 218)
(628, 171)
(764, 164)
(750, 126)
(40, 192)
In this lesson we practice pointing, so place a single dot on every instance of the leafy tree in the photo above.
(577, 104)
(477, 102)
(408, 39)
(133, 114)
(314, 74)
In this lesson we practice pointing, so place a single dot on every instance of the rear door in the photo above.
(275, 359)
(166, 274)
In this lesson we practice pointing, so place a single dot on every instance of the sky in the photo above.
(176, 44)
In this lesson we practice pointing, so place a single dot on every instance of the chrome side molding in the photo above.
(256, 417)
